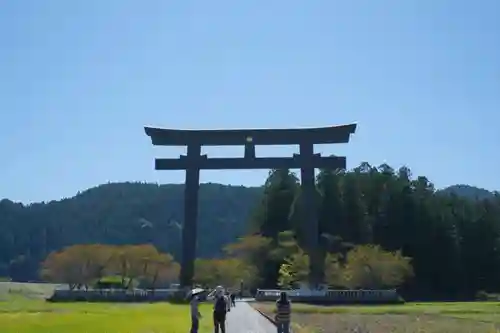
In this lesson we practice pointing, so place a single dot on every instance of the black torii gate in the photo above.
(193, 162)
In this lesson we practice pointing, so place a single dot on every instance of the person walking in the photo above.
(228, 299)
(195, 313)
(233, 299)
(220, 310)
(283, 313)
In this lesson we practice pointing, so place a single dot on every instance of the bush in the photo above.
(112, 282)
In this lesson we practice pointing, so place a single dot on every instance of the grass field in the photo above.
(23, 310)
(408, 318)
(27, 290)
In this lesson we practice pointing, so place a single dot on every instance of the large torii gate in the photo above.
(193, 162)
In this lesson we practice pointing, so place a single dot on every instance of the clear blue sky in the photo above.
(80, 79)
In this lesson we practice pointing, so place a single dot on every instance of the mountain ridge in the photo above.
(468, 191)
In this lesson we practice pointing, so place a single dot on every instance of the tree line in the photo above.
(283, 263)
(98, 266)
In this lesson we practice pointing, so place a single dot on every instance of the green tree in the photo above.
(359, 231)
(273, 216)
(294, 270)
(332, 225)
(370, 267)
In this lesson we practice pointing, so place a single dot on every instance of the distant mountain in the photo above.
(468, 191)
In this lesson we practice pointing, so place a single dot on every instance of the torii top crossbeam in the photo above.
(237, 137)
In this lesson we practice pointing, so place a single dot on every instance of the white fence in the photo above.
(333, 296)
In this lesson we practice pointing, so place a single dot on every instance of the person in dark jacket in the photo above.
(232, 296)
(283, 313)
(220, 311)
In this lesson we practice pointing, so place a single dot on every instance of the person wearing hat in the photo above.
(195, 312)
(220, 310)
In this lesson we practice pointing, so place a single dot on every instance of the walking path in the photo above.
(244, 319)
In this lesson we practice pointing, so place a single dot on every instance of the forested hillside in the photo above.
(119, 213)
(453, 241)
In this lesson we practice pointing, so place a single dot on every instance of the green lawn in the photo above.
(22, 315)
(474, 317)
(28, 290)
(489, 311)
